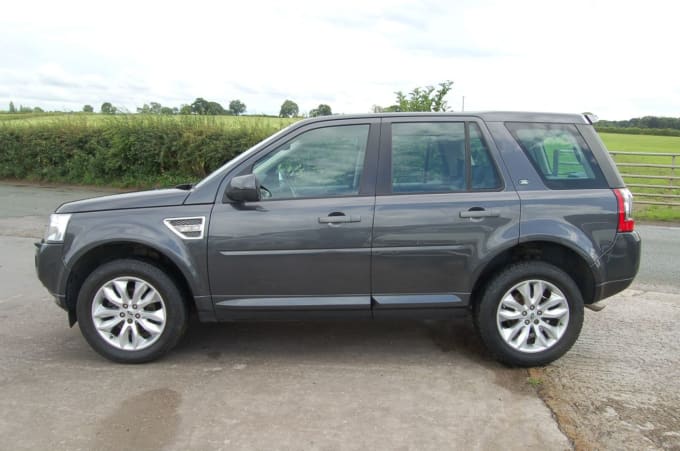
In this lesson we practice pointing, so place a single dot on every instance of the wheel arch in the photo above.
(98, 255)
(565, 257)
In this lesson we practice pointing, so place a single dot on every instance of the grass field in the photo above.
(93, 120)
(651, 144)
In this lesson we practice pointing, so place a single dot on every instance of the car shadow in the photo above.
(401, 340)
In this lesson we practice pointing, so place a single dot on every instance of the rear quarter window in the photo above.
(560, 155)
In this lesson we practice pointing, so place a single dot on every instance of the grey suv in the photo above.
(520, 218)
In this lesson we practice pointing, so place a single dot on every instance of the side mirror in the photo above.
(244, 188)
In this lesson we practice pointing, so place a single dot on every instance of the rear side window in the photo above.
(559, 154)
(433, 157)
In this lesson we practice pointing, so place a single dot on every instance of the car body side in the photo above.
(573, 229)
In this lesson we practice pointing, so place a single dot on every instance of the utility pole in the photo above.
(462, 108)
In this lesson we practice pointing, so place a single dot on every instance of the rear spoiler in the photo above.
(590, 118)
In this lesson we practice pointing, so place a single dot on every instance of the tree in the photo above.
(425, 98)
(199, 106)
(215, 109)
(12, 108)
(107, 108)
(155, 107)
(237, 107)
(321, 110)
(167, 111)
(289, 109)
(202, 106)
(88, 109)
(185, 109)
(37, 109)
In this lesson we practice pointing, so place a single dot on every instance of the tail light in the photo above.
(624, 200)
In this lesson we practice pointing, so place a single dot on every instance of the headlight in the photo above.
(57, 228)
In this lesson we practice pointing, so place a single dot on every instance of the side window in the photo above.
(483, 173)
(319, 163)
(428, 157)
(559, 154)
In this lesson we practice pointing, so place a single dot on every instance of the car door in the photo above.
(442, 209)
(304, 249)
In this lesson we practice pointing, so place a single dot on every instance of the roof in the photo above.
(487, 116)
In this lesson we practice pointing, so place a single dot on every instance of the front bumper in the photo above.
(620, 265)
(50, 268)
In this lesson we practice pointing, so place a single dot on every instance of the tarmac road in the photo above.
(332, 385)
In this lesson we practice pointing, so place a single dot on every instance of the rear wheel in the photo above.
(130, 311)
(530, 314)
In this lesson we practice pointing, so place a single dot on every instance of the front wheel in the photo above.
(530, 314)
(130, 311)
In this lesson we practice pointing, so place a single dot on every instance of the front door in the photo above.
(305, 247)
(441, 210)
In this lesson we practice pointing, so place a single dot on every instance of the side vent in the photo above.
(187, 228)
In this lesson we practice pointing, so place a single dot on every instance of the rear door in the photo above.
(442, 210)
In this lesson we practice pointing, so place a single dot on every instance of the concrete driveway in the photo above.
(327, 385)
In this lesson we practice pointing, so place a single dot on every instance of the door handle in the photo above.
(476, 212)
(337, 218)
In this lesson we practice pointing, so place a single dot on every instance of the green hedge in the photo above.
(133, 150)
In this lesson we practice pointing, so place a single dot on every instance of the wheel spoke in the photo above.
(553, 301)
(508, 315)
(510, 302)
(537, 292)
(102, 312)
(140, 289)
(525, 291)
(107, 325)
(113, 297)
(510, 332)
(151, 297)
(552, 331)
(523, 336)
(121, 287)
(540, 338)
(123, 336)
(137, 338)
(555, 313)
(149, 326)
(157, 316)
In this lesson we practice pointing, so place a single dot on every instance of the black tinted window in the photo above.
(559, 154)
(319, 163)
(429, 157)
(484, 175)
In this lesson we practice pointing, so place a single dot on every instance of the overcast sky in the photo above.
(618, 59)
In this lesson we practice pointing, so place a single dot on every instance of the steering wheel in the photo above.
(284, 182)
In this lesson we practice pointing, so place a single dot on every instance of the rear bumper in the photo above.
(620, 265)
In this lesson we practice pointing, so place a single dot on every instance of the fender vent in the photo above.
(187, 228)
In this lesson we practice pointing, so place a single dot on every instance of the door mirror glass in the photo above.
(244, 188)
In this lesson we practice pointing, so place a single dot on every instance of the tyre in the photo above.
(530, 314)
(130, 311)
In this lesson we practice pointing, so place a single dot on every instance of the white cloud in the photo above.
(611, 57)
